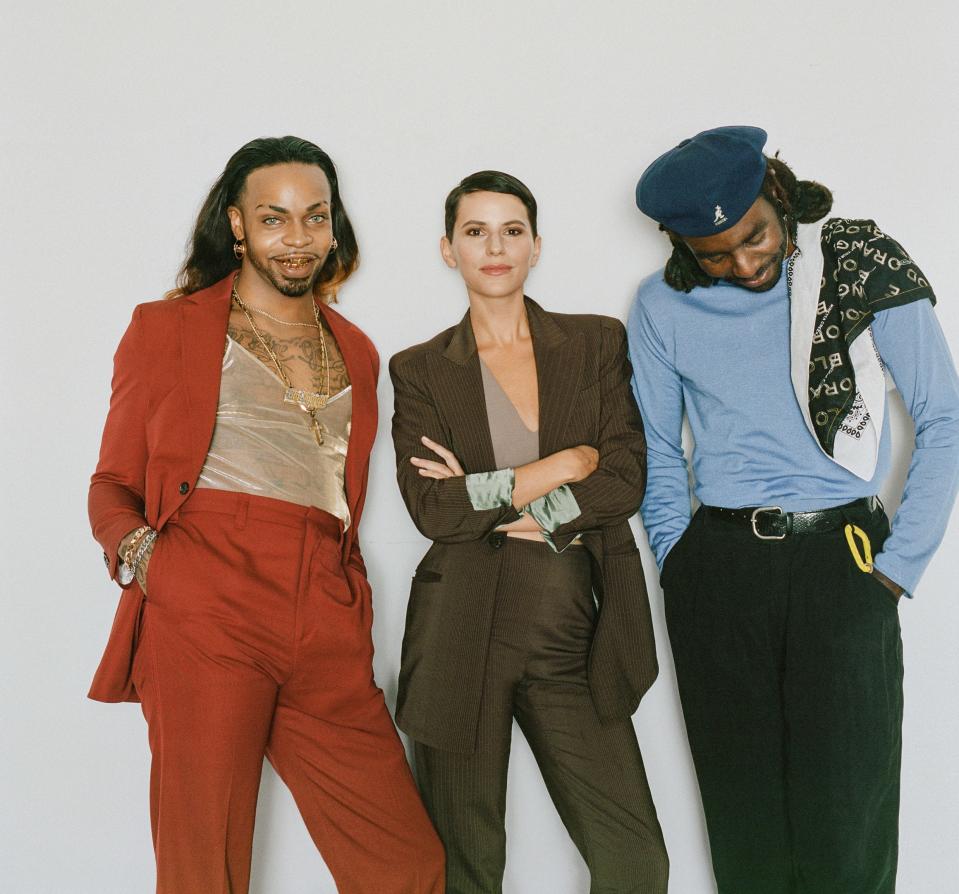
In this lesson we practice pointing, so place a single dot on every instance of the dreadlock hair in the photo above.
(795, 201)
(211, 254)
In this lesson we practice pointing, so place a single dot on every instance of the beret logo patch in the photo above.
(718, 216)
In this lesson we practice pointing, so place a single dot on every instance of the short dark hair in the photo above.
(796, 201)
(489, 181)
(211, 246)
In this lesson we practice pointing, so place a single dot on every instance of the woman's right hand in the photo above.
(543, 475)
(580, 462)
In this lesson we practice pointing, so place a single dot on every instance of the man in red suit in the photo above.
(227, 497)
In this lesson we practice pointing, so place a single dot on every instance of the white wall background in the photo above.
(117, 117)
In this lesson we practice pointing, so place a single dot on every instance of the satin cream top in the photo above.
(264, 446)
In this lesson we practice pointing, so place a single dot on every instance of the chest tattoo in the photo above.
(300, 355)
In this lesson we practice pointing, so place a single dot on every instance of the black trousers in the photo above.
(536, 671)
(789, 662)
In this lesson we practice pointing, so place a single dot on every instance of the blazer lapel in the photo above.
(559, 364)
(457, 384)
(359, 364)
(204, 317)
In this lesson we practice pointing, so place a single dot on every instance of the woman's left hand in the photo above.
(449, 468)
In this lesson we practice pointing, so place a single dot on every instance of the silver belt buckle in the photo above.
(752, 521)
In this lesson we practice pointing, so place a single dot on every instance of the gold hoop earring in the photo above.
(334, 244)
(239, 249)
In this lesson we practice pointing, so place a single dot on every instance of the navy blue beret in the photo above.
(706, 184)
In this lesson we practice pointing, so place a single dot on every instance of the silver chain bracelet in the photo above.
(145, 544)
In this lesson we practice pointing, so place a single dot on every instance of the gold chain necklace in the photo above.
(263, 313)
(309, 402)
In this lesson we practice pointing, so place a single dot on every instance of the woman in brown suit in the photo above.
(520, 454)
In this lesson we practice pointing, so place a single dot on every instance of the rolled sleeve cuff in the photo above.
(554, 509)
(490, 490)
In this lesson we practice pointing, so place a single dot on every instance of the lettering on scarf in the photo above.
(864, 271)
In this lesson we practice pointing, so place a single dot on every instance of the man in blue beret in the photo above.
(776, 330)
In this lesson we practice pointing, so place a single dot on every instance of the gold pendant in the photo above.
(308, 401)
(317, 432)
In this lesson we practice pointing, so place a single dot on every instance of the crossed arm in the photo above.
(530, 481)
(606, 479)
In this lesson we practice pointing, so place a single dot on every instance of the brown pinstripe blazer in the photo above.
(584, 398)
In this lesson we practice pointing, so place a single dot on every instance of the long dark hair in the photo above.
(211, 254)
(796, 202)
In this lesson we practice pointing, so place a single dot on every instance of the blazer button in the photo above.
(184, 487)
(496, 539)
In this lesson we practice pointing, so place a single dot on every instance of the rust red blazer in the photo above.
(166, 386)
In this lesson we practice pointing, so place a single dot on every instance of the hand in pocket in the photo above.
(142, 567)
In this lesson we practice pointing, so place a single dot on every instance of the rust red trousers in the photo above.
(256, 641)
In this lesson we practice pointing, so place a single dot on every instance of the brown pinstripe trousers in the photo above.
(536, 671)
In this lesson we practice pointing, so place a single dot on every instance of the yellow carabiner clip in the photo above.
(853, 531)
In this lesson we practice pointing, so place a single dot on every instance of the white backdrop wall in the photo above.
(118, 116)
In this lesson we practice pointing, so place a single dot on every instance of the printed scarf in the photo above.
(842, 274)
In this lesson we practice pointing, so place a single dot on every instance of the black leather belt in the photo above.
(771, 523)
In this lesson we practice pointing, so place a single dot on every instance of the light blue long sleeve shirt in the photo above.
(721, 355)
